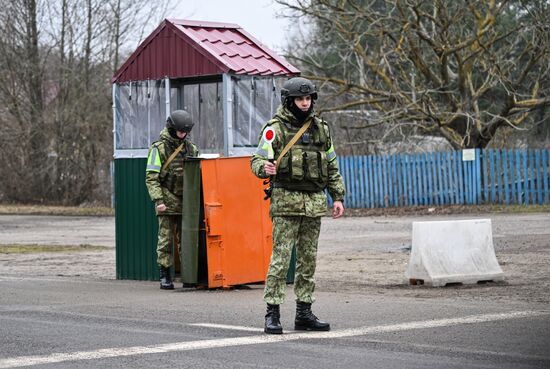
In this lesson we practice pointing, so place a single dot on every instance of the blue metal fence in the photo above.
(491, 176)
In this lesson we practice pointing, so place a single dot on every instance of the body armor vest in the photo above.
(172, 177)
(305, 166)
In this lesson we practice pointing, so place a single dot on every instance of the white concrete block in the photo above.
(456, 251)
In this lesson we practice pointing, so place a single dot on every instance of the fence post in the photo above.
(484, 176)
(493, 177)
(372, 180)
(532, 177)
(545, 154)
(512, 182)
(450, 170)
(539, 179)
(478, 176)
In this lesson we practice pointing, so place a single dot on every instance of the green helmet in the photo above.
(180, 120)
(298, 86)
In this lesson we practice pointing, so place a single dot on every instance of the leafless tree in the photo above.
(21, 86)
(457, 69)
(55, 96)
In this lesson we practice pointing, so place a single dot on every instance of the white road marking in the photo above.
(225, 326)
(254, 340)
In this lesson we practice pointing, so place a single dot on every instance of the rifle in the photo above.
(269, 182)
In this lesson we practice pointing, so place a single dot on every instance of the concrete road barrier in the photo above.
(456, 251)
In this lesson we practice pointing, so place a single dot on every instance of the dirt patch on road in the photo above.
(88, 264)
(527, 277)
(36, 249)
(370, 256)
(91, 210)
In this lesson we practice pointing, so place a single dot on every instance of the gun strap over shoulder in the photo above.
(294, 140)
(171, 157)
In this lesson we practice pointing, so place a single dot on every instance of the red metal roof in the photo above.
(184, 48)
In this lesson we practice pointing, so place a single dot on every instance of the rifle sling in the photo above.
(171, 157)
(293, 141)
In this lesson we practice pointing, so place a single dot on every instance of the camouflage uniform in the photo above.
(166, 187)
(298, 201)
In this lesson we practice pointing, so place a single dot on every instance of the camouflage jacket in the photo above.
(291, 202)
(166, 186)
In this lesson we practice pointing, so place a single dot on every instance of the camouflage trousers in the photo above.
(293, 231)
(169, 225)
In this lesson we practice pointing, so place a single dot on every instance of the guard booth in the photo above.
(230, 84)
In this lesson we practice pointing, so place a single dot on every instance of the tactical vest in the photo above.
(172, 177)
(305, 166)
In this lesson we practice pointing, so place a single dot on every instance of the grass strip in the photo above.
(54, 210)
(36, 249)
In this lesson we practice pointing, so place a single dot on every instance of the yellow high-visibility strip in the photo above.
(331, 154)
(153, 162)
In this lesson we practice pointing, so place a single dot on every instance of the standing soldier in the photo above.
(164, 180)
(305, 165)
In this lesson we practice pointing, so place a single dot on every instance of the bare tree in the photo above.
(130, 22)
(21, 86)
(55, 97)
(457, 69)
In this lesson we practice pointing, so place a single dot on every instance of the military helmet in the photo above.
(180, 120)
(298, 86)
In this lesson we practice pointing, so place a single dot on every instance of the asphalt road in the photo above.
(60, 323)
(86, 322)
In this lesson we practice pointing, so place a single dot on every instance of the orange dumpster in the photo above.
(226, 229)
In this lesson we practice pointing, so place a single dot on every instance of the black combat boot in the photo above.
(306, 320)
(272, 320)
(165, 279)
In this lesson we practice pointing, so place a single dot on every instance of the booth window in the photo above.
(140, 113)
(255, 102)
(204, 102)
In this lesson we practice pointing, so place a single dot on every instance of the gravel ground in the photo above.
(363, 255)
(370, 255)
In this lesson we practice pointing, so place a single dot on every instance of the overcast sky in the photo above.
(257, 17)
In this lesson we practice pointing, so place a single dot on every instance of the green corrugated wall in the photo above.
(136, 222)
